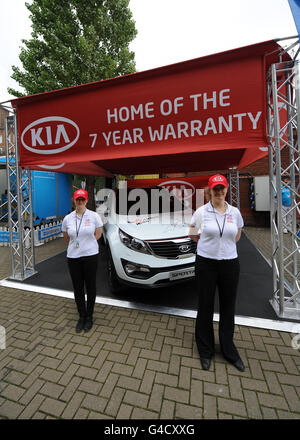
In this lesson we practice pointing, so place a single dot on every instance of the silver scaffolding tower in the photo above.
(283, 133)
(234, 187)
(19, 200)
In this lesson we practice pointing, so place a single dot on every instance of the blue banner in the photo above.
(51, 231)
(295, 8)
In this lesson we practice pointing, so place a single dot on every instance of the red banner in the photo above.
(208, 104)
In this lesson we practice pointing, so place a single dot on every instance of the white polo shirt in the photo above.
(85, 226)
(210, 224)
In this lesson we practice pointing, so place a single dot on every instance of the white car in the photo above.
(147, 249)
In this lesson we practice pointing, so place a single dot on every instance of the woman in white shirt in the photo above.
(216, 227)
(81, 229)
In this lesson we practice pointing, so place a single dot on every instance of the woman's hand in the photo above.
(193, 233)
(98, 233)
(238, 235)
(66, 237)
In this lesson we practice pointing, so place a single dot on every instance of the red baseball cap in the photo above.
(80, 193)
(217, 179)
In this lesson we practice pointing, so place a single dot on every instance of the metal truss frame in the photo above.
(234, 187)
(19, 198)
(283, 133)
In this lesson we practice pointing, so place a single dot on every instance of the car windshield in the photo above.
(146, 201)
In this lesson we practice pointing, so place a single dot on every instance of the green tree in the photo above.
(75, 42)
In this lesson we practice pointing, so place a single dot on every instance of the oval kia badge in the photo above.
(50, 135)
(52, 167)
(177, 186)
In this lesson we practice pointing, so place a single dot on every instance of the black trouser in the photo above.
(211, 274)
(83, 272)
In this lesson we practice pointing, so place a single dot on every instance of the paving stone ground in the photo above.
(134, 364)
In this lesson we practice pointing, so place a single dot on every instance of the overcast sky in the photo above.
(169, 31)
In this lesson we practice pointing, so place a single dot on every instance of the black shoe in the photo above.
(239, 365)
(88, 324)
(80, 325)
(205, 362)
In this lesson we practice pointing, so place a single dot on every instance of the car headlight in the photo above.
(133, 243)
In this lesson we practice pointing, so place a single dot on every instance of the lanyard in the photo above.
(77, 230)
(220, 230)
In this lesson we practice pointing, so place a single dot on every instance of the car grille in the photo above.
(176, 248)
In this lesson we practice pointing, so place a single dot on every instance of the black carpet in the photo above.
(255, 286)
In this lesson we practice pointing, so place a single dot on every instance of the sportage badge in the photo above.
(50, 135)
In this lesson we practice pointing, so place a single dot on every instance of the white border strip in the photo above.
(269, 324)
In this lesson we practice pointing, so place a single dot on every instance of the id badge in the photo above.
(77, 243)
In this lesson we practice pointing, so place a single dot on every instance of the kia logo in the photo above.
(179, 185)
(50, 135)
